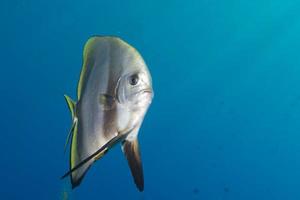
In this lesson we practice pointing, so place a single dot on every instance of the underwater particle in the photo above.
(220, 148)
(113, 96)
(226, 189)
(195, 191)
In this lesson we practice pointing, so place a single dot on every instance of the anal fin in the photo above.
(132, 153)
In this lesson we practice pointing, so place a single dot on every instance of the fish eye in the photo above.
(133, 79)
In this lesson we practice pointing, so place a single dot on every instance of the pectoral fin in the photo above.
(106, 101)
(132, 153)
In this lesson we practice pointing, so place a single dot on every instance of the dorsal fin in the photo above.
(88, 47)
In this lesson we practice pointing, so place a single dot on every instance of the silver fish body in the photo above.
(114, 93)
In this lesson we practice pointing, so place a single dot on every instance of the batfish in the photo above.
(113, 95)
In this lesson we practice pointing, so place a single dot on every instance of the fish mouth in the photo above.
(147, 90)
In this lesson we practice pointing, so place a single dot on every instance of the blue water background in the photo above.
(224, 123)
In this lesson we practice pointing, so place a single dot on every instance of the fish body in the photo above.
(114, 93)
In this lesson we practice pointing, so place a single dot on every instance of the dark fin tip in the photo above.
(78, 182)
(132, 153)
(141, 187)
